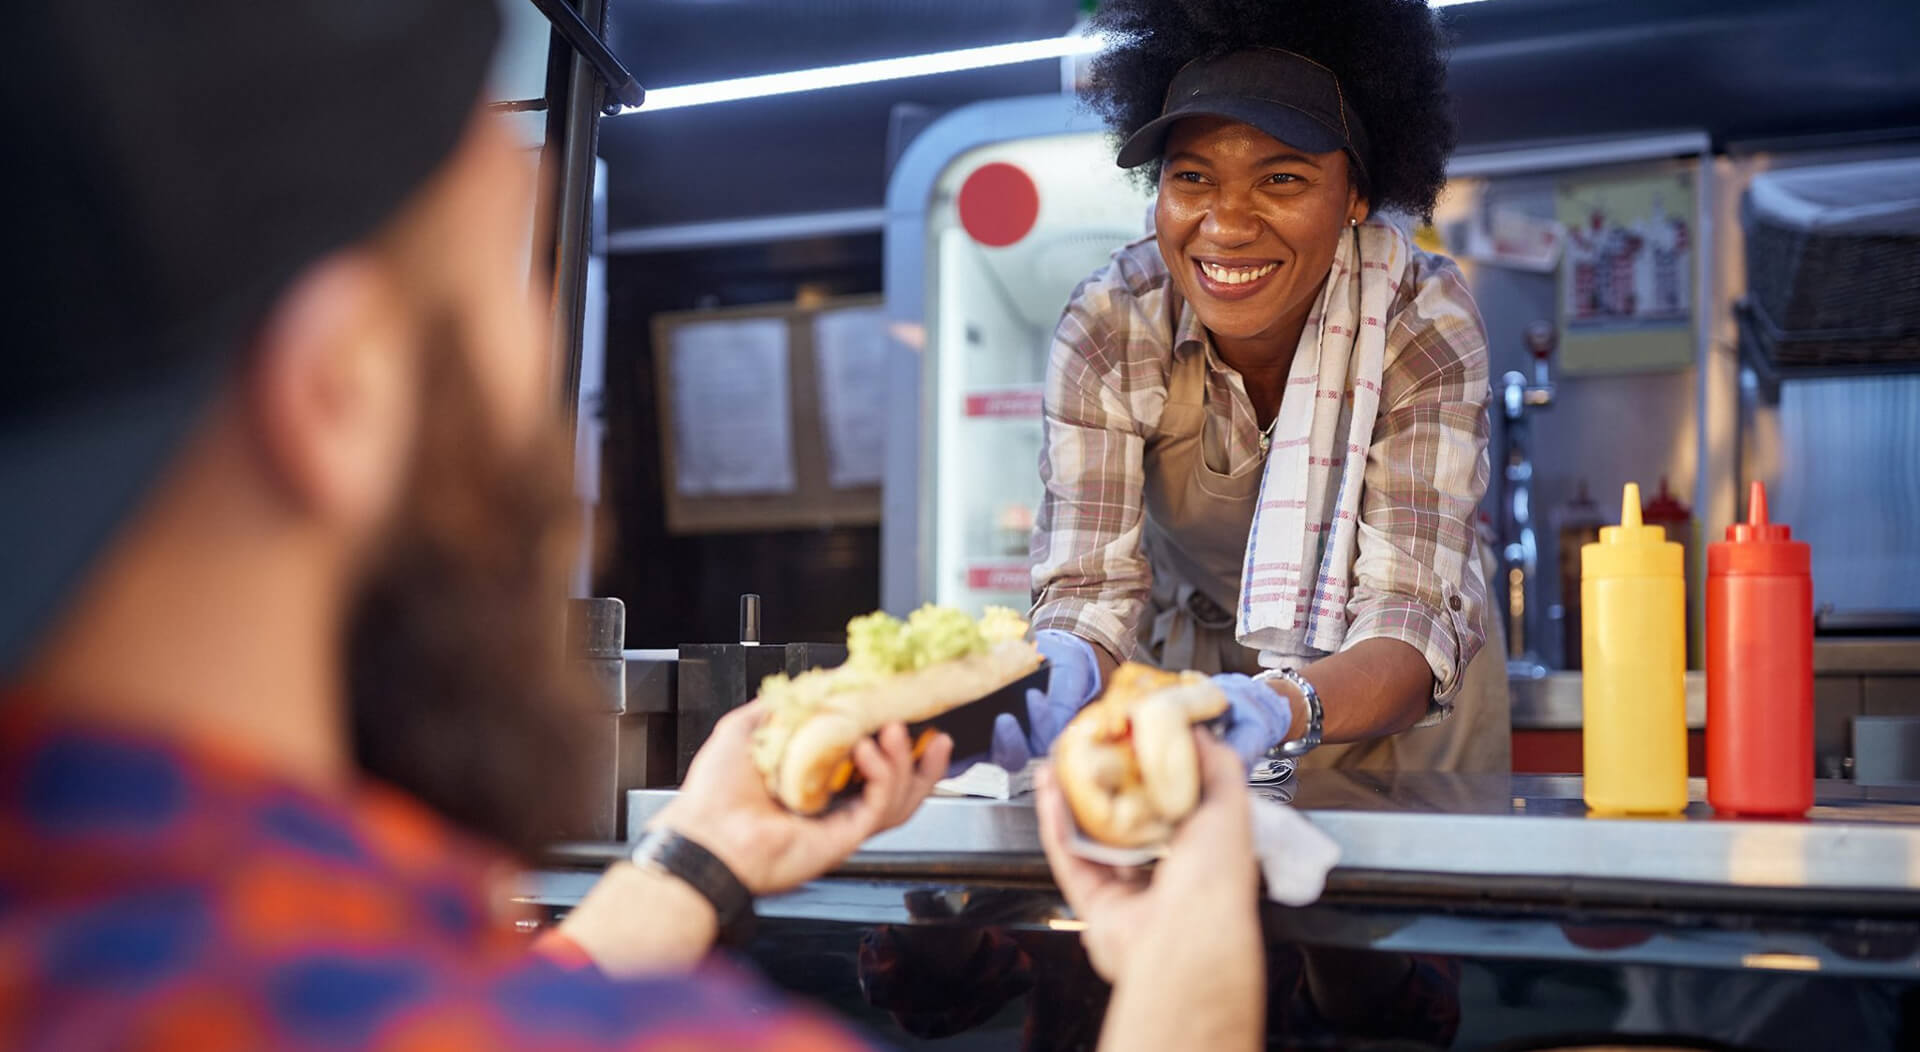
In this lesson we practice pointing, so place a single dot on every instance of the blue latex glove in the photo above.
(1073, 681)
(1258, 716)
(1009, 749)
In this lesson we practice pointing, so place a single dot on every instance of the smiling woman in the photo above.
(1266, 431)
(1247, 226)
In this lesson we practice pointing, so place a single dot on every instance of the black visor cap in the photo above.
(1289, 97)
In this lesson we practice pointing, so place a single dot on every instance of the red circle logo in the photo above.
(998, 204)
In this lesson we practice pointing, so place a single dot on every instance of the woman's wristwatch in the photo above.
(666, 851)
(1310, 740)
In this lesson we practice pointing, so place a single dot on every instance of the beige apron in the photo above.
(1195, 534)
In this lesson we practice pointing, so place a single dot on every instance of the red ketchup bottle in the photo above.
(1759, 668)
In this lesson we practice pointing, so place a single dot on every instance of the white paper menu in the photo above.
(732, 413)
(850, 347)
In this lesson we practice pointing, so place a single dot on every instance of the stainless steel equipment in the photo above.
(1520, 546)
(1886, 750)
(716, 678)
(662, 704)
(595, 631)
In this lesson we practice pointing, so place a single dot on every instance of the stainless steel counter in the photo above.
(1471, 867)
(1465, 826)
(1552, 702)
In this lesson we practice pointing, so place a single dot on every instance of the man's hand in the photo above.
(1210, 869)
(636, 921)
(724, 805)
(1181, 945)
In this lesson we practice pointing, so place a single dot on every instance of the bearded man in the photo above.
(283, 533)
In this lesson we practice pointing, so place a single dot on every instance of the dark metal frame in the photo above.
(580, 71)
(585, 41)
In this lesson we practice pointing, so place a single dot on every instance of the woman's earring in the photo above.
(1352, 221)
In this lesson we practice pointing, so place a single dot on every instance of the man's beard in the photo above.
(461, 693)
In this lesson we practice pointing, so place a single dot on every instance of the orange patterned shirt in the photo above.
(154, 896)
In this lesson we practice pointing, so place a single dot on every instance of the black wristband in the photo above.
(681, 857)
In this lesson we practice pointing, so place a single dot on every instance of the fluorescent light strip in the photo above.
(874, 72)
(864, 73)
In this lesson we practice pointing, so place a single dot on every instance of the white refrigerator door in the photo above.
(1005, 250)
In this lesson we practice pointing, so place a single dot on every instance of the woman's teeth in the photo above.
(1237, 275)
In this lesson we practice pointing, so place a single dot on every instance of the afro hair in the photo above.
(1390, 56)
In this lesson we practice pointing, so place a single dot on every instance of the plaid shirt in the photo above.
(156, 897)
(1417, 577)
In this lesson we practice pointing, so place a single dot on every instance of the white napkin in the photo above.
(987, 780)
(1294, 855)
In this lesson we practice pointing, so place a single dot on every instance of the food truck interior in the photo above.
(808, 366)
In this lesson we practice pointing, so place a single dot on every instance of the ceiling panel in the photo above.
(814, 152)
(669, 42)
(1522, 70)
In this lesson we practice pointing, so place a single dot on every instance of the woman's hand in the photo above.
(1009, 751)
(1073, 679)
(1075, 671)
(724, 805)
(1259, 715)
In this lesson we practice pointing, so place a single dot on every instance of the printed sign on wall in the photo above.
(1626, 277)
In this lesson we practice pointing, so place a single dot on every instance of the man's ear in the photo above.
(331, 391)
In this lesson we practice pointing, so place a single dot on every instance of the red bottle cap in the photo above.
(1757, 546)
(1666, 509)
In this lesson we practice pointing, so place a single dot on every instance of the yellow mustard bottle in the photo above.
(1634, 652)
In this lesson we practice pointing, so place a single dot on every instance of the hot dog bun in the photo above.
(1127, 762)
(804, 747)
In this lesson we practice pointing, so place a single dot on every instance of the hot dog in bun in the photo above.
(896, 672)
(1127, 763)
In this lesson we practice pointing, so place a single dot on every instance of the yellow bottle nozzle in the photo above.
(1633, 533)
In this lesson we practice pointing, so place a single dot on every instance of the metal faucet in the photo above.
(1520, 548)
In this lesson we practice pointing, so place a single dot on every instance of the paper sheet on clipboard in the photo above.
(732, 410)
(850, 350)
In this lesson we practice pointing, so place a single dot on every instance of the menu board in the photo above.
(850, 352)
(771, 417)
(733, 421)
